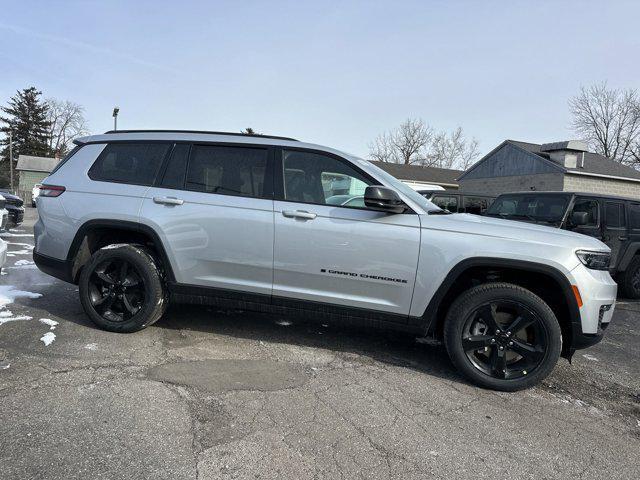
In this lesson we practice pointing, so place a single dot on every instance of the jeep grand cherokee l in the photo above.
(136, 218)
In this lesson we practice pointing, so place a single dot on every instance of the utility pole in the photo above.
(116, 110)
(11, 158)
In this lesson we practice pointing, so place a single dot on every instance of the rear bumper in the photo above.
(16, 216)
(53, 266)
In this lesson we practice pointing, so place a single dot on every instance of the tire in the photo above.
(480, 343)
(630, 277)
(122, 299)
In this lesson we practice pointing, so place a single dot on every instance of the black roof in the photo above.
(419, 173)
(593, 162)
(582, 194)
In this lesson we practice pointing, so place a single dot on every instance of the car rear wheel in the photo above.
(630, 280)
(502, 336)
(121, 288)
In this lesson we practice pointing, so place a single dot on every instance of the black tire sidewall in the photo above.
(464, 305)
(154, 292)
(627, 279)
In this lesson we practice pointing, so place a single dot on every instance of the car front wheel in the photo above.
(121, 288)
(502, 336)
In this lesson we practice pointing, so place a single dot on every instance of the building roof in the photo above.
(593, 163)
(36, 164)
(417, 173)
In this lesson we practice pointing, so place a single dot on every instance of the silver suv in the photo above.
(138, 217)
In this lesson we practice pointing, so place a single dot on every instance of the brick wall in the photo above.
(582, 183)
(497, 185)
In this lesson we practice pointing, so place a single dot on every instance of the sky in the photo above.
(332, 73)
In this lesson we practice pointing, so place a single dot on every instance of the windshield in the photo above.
(401, 187)
(537, 208)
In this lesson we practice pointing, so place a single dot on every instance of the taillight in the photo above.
(51, 190)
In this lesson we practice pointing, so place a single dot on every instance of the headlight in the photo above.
(594, 260)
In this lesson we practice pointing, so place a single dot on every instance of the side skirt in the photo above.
(309, 310)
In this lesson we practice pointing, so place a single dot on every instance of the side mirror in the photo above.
(383, 199)
(579, 218)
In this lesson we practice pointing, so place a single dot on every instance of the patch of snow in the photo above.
(638, 422)
(23, 262)
(4, 365)
(8, 293)
(9, 234)
(590, 357)
(24, 267)
(47, 338)
(47, 321)
(4, 320)
(18, 252)
(25, 245)
(283, 323)
(91, 346)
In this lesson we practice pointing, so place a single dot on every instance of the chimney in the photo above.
(568, 153)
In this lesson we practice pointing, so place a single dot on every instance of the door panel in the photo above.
(615, 228)
(344, 256)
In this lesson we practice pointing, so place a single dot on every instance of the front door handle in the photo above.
(168, 200)
(299, 214)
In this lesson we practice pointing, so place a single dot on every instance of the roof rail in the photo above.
(235, 134)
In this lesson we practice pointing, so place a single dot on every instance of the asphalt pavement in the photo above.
(206, 393)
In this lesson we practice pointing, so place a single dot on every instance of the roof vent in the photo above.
(566, 153)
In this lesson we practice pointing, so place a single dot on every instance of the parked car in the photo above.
(136, 218)
(35, 191)
(4, 215)
(456, 201)
(611, 219)
(14, 205)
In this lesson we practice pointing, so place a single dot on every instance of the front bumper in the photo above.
(598, 292)
(16, 216)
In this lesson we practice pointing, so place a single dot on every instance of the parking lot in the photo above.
(206, 394)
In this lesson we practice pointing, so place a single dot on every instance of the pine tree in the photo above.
(26, 117)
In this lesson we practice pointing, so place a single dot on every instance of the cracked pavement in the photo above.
(209, 394)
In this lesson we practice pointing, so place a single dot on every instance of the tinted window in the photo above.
(537, 208)
(177, 167)
(634, 215)
(614, 215)
(228, 170)
(476, 205)
(135, 163)
(448, 203)
(315, 178)
(589, 206)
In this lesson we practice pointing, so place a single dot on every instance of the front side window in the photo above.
(614, 215)
(314, 178)
(536, 208)
(239, 171)
(134, 163)
(446, 202)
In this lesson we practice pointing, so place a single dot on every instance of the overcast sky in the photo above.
(334, 73)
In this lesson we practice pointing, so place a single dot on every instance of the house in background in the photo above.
(416, 174)
(32, 170)
(561, 166)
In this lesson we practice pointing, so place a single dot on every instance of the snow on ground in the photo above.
(14, 235)
(8, 293)
(47, 321)
(23, 262)
(590, 357)
(91, 346)
(48, 338)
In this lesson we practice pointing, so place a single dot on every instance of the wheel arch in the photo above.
(547, 282)
(96, 233)
(630, 251)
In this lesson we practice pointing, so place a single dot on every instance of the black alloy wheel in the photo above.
(116, 290)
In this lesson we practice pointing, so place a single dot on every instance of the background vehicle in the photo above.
(243, 220)
(4, 215)
(35, 191)
(14, 206)
(613, 220)
(456, 201)
(423, 186)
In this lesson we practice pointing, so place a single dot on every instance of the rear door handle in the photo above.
(168, 200)
(299, 214)
(623, 238)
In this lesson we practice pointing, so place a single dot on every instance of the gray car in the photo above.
(138, 218)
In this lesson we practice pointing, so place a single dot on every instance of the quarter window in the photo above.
(134, 163)
(314, 178)
(614, 215)
(237, 171)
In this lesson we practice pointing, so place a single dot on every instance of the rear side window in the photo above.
(237, 171)
(134, 163)
(614, 215)
(634, 215)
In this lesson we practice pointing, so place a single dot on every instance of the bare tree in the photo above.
(416, 143)
(67, 123)
(609, 120)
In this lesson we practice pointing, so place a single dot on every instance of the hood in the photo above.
(512, 230)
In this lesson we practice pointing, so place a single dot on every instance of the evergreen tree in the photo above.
(26, 117)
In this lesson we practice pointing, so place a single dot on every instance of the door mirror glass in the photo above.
(580, 218)
(383, 199)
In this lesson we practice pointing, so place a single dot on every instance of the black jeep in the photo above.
(614, 220)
